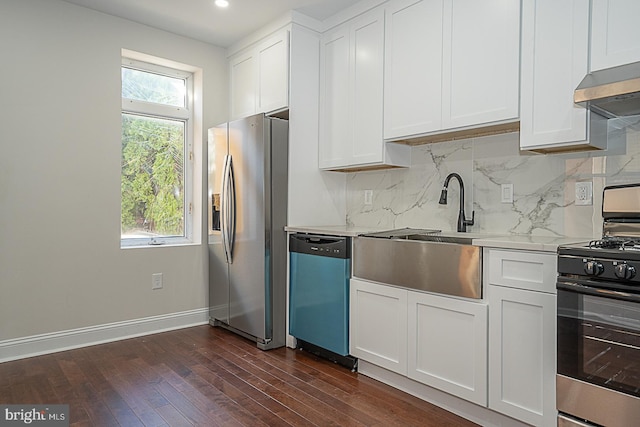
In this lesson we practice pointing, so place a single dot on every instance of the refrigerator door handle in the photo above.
(231, 192)
(224, 208)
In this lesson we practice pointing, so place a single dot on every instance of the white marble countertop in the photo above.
(333, 230)
(512, 241)
(529, 243)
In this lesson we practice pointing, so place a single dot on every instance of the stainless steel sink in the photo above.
(448, 265)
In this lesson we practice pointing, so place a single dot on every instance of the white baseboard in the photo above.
(35, 345)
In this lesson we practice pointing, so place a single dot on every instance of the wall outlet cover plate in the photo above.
(584, 193)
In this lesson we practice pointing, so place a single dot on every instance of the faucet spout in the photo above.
(462, 221)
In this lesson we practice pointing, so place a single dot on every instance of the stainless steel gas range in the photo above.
(598, 374)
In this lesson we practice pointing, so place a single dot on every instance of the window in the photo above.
(156, 173)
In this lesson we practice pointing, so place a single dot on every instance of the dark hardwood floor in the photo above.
(207, 376)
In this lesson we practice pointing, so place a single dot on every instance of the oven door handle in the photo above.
(590, 287)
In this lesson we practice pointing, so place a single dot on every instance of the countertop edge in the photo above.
(527, 243)
(331, 230)
(509, 242)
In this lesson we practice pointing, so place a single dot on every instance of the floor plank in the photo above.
(204, 376)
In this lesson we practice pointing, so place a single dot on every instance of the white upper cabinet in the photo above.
(413, 68)
(480, 75)
(335, 135)
(555, 47)
(273, 73)
(243, 85)
(615, 33)
(450, 65)
(351, 91)
(259, 77)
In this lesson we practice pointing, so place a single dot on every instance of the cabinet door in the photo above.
(615, 33)
(522, 354)
(481, 62)
(273, 73)
(244, 85)
(378, 325)
(555, 51)
(367, 55)
(335, 134)
(413, 67)
(448, 345)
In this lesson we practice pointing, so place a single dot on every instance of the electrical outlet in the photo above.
(156, 281)
(584, 193)
(368, 197)
(506, 193)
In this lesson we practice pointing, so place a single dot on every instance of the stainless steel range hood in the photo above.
(612, 92)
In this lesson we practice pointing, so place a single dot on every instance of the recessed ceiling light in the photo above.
(222, 3)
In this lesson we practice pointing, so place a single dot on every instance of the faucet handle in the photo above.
(470, 221)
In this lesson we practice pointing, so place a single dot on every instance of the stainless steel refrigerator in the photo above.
(247, 199)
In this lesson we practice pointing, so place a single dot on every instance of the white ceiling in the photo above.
(202, 20)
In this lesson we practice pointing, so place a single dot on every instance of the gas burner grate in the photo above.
(615, 243)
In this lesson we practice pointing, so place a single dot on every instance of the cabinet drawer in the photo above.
(534, 271)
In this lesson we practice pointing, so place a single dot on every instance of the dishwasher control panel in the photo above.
(316, 244)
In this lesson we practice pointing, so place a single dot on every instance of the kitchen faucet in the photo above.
(462, 221)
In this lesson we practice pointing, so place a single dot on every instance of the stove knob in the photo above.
(593, 268)
(625, 271)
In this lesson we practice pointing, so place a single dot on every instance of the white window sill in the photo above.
(161, 244)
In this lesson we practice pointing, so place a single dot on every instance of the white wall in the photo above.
(61, 266)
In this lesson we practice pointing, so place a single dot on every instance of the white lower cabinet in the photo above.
(437, 341)
(522, 335)
(498, 353)
(447, 340)
(378, 324)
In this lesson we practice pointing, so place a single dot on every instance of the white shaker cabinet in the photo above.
(450, 65)
(448, 345)
(273, 73)
(522, 334)
(413, 68)
(435, 340)
(259, 77)
(555, 52)
(243, 85)
(481, 63)
(351, 91)
(335, 135)
(378, 324)
(615, 33)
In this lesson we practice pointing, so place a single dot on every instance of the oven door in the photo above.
(598, 353)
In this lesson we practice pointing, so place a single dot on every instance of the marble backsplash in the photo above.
(543, 188)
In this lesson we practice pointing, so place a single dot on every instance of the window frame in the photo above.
(163, 111)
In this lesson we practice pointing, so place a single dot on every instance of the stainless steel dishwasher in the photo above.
(320, 268)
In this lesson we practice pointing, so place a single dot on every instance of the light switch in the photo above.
(507, 193)
(156, 281)
(368, 197)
